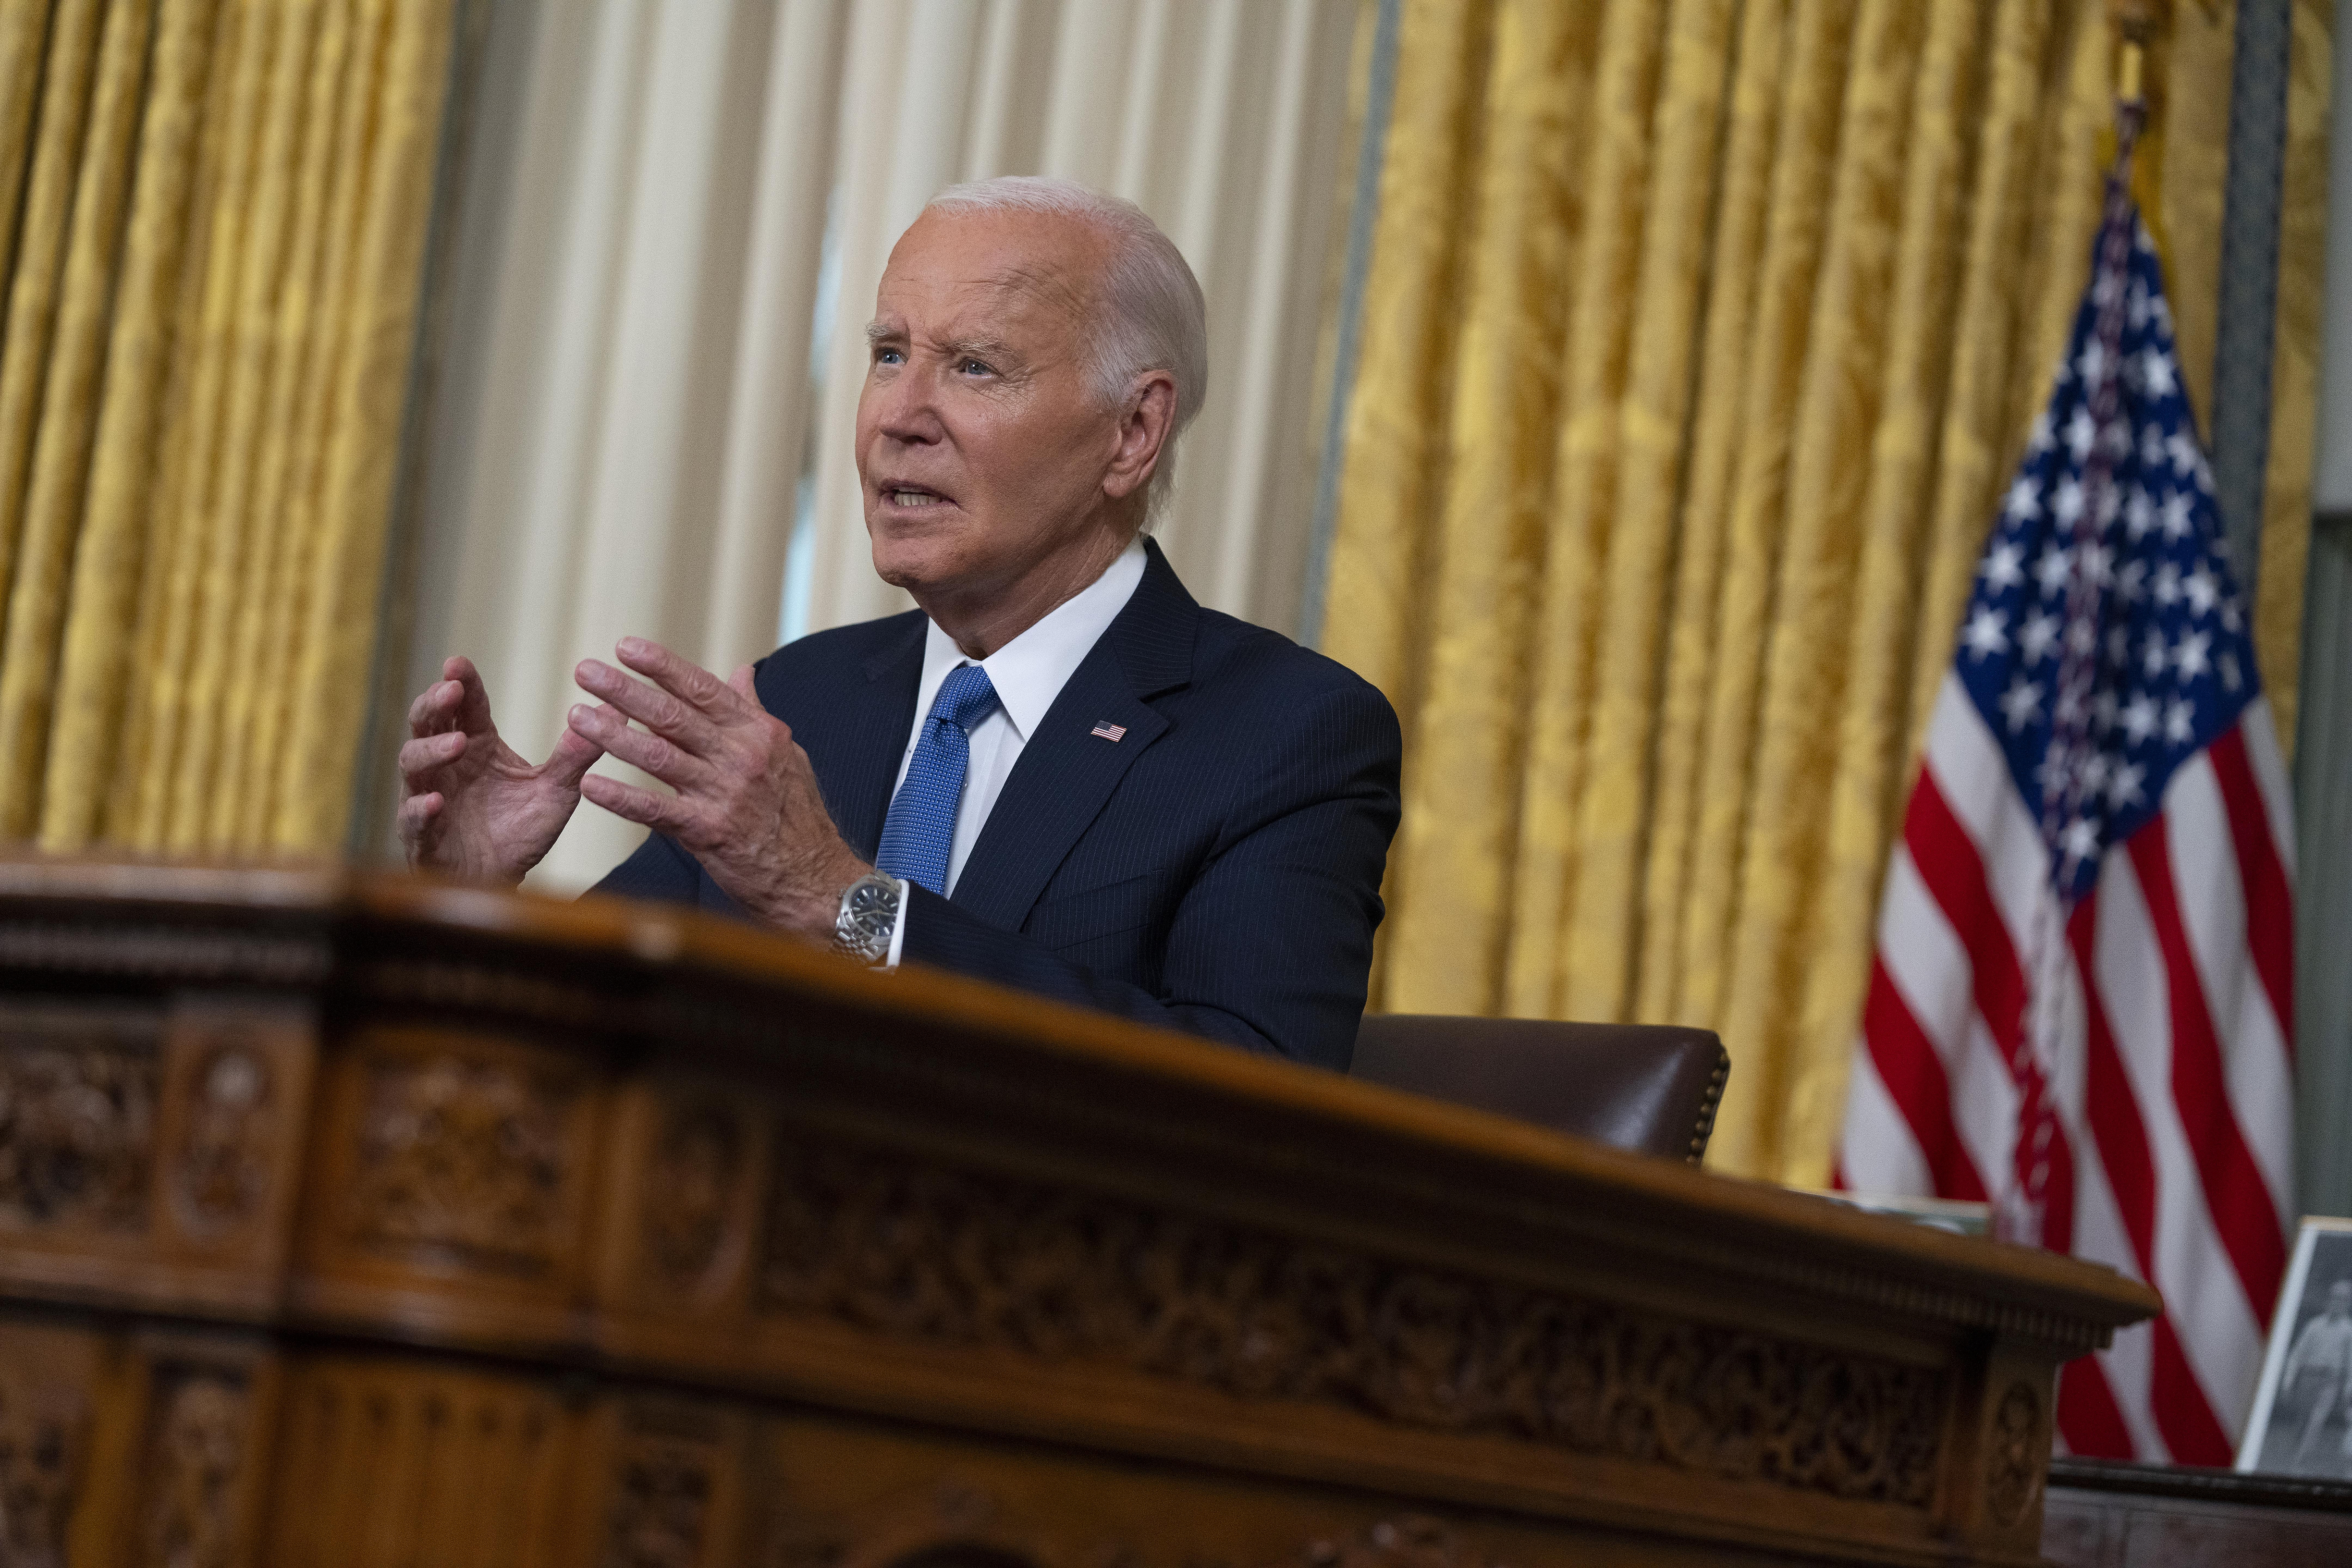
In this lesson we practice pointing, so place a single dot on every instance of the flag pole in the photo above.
(2135, 22)
(2020, 1208)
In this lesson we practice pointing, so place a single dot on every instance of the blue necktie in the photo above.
(921, 829)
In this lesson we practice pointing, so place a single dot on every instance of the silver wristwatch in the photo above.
(869, 914)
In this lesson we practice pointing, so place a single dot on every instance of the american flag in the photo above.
(2080, 1005)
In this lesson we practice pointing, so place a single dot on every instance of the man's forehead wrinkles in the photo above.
(1050, 286)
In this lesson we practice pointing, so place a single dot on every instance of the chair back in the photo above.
(1652, 1089)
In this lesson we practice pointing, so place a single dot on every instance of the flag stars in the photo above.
(2035, 638)
(2080, 840)
(2024, 502)
(2052, 569)
(2004, 567)
(2098, 700)
(1987, 633)
(2081, 433)
(2022, 703)
(2179, 515)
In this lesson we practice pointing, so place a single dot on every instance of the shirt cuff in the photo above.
(899, 926)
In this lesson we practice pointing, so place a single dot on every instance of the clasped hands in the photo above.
(747, 804)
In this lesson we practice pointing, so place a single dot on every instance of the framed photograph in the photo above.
(2301, 1424)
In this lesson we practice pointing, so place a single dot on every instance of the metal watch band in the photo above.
(869, 914)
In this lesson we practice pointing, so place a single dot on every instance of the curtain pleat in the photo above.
(118, 561)
(210, 327)
(1652, 409)
(61, 405)
(35, 279)
(1658, 537)
(1573, 574)
(1686, 714)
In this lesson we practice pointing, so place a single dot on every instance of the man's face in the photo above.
(982, 448)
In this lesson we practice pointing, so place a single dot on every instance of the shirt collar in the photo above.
(1030, 671)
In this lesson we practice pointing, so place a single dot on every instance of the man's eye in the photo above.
(971, 366)
(888, 356)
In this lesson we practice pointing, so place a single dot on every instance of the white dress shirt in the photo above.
(1028, 673)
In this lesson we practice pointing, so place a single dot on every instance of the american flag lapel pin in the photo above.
(1109, 730)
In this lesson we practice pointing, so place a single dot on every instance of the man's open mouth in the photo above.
(911, 496)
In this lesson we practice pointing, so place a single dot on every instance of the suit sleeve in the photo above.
(1271, 945)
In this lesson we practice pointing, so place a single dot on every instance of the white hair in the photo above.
(1150, 315)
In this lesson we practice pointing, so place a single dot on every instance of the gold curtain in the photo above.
(219, 210)
(1699, 339)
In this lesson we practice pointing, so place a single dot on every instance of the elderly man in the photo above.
(1061, 773)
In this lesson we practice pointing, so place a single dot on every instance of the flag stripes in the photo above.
(2080, 1007)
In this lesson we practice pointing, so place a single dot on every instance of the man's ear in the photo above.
(1143, 432)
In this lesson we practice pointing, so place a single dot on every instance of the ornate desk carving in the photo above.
(348, 1218)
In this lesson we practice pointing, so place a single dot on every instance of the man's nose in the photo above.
(905, 409)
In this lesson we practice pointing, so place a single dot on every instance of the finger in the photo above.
(684, 679)
(740, 683)
(429, 753)
(416, 814)
(474, 698)
(666, 760)
(574, 755)
(435, 709)
(662, 812)
(663, 712)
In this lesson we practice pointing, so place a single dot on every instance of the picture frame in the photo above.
(2302, 1420)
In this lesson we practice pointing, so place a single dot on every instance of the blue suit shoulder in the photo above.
(1233, 657)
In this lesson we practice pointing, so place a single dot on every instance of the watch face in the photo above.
(869, 910)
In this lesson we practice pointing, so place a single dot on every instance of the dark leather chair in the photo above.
(1649, 1088)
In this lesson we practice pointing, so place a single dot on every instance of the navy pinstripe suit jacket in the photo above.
(1217, 869)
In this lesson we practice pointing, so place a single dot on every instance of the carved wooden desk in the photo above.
(352, 1220)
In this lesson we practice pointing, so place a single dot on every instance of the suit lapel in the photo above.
(865, 762)
(1067, 773)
